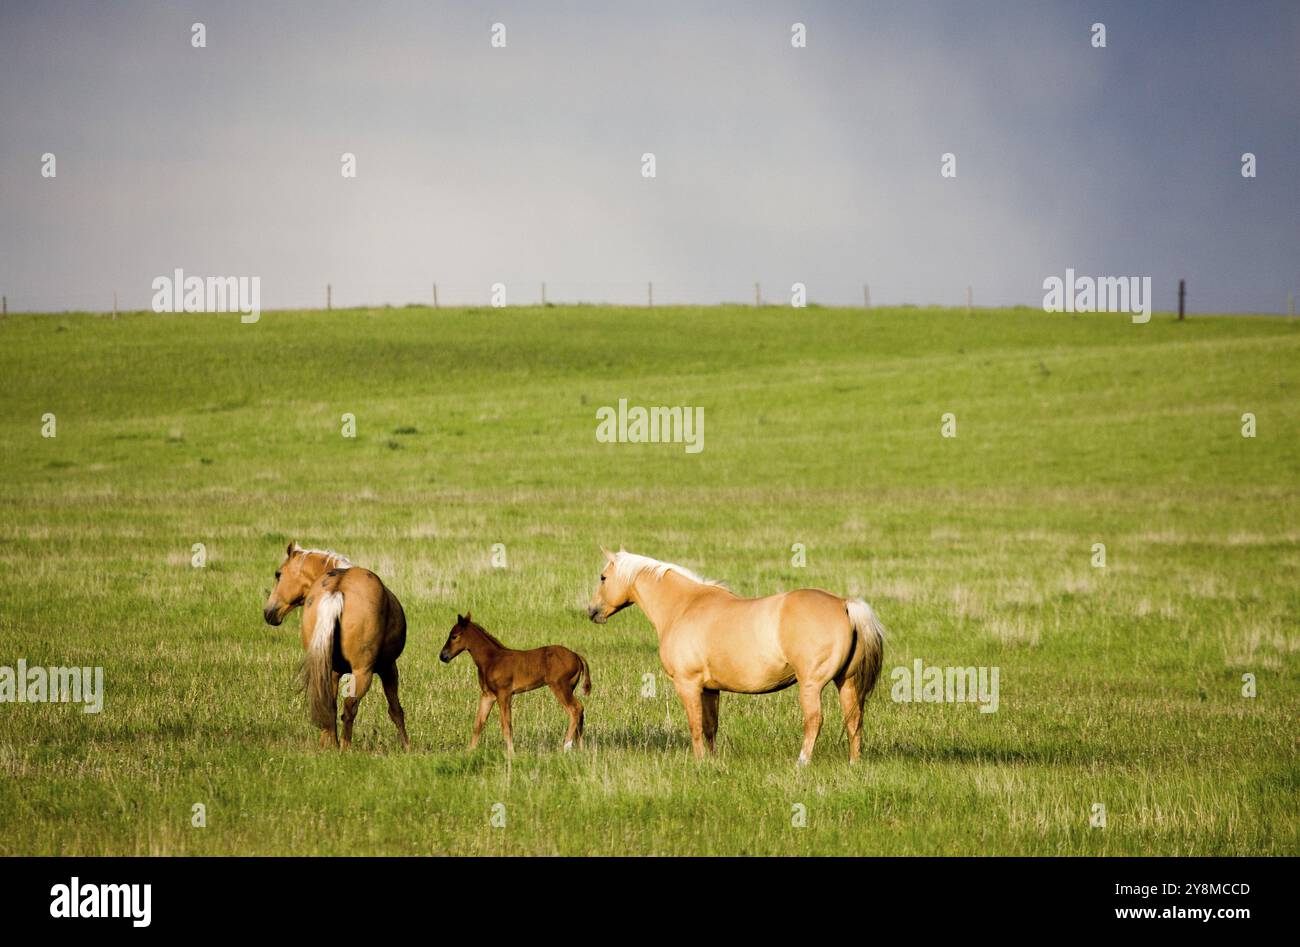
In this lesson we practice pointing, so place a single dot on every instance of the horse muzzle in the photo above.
(443, 656)
(597, 615)
(272, 616)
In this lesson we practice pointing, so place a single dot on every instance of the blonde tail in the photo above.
(318, 668)
(871, 638)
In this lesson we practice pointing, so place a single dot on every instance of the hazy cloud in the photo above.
(479, 165)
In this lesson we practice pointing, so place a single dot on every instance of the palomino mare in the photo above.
(350, 622)
(712, 640)
(504, 672)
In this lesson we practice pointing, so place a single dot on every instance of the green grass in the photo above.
(1119, 686)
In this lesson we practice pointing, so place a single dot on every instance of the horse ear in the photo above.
(621, 548)
(289, 549)
(467, 618)
(608, 555)
(460, 619)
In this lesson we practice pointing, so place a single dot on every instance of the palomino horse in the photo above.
(712, 640)
(350, 622)
(504, 672)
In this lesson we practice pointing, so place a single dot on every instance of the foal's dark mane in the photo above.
(484, 632)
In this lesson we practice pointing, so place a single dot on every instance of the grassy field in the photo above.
(1119, 685)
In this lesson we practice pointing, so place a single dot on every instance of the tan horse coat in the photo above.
(712, 640)
(351, 622)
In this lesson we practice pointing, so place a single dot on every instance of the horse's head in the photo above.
(614, 592)
(291, 585)
(456, 642)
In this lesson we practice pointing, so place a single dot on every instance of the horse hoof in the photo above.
(803, 760)
(568, 745)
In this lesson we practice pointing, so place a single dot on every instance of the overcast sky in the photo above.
(478, 165)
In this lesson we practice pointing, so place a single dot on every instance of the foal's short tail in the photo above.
(318, 669)
(586, 675)
(870, 635)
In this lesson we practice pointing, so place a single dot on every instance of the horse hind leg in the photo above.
(852, 697)
(564, 694)
(330, 738)
(582, 711)
(395, 713)
(810, 699)
(360, 684)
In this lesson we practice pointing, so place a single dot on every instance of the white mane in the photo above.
(333, 560)
(628, 565)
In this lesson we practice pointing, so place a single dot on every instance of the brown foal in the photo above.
(504, 672)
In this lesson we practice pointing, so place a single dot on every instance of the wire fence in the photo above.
(344, 294)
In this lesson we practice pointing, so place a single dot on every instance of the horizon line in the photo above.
(476, 307)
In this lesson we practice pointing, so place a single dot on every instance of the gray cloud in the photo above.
(775, 164)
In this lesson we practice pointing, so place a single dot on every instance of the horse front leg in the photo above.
(692, 697)
(507, 725)
(485, 702)
(709, 700)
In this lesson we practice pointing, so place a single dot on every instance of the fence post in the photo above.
(435, 295)
(758, 297)
(543, 294)
(114, 304)
(1290, 304)
(1182, 292)
(329, 297)
(5, 306)
(969, 294)
(650, 294)
(866, 296)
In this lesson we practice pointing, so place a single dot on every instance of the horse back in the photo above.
(374, 623)
(758, 645)
(560, 661)
(525, 670)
